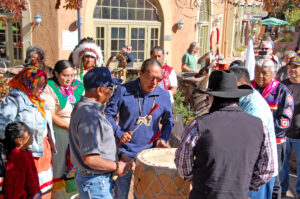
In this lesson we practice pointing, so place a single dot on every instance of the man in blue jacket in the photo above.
(133, 101)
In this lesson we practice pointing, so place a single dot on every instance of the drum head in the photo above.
(158, 157)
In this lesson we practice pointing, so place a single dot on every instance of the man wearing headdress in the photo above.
(86, 56)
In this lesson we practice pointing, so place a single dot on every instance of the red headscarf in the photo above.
(26, 80)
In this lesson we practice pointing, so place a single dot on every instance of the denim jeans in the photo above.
(265, 191)
(94, 186)
(281, 148)
(122, 186)
(284, 174)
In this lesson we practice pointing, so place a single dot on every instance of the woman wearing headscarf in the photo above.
(24, 104)
(61, 94)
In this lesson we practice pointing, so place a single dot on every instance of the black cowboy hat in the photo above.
(223, 83)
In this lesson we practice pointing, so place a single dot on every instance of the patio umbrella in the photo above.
(273, 22)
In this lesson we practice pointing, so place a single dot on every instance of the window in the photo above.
(203, 30)
(17, 40)
(138, 42)
(203, 36)
(11, 42)
(123, 22)
(154, 37)
(3, 50)
(125, 10)
(118, 38)
(100, 37)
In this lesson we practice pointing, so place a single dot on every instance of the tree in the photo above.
(293, 17)
(16, 7)
(69, 4)
(12, 6)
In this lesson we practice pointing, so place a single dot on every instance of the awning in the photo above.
(273, 22)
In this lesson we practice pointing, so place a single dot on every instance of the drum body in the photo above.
(156, 177)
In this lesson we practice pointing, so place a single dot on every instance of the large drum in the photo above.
(156, 177)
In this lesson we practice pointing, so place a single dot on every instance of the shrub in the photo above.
(185, 111)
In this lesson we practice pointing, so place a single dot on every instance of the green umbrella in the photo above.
(273, 22)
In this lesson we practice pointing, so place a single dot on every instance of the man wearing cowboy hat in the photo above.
(227, 151)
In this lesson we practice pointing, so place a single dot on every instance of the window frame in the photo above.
(10, 45)
(205, 38)
(108, 24)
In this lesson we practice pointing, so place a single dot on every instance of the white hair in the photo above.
(266, 43)
(266, 63)
(290, 53)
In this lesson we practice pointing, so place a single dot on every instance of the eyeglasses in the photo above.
(112, 88)
(265, 49)
(158, 79)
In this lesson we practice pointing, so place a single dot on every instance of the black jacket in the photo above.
(225, 154)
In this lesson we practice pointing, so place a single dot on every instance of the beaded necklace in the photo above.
(144, 119)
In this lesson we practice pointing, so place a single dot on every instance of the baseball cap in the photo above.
(99, 76)
(295, 60)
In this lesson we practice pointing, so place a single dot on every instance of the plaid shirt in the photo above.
(184, 157)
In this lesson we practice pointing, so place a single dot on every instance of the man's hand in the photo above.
(130, 166)
(126, 137)
(161, 144)
(124, 168)
(121, 170)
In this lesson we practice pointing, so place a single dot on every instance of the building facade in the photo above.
(172, 24)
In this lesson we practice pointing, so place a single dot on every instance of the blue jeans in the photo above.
(94, 186)
(122, 186)
(281, 148)
(265, 191)
(284, 174)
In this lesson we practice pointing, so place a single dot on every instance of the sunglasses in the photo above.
(158, 79)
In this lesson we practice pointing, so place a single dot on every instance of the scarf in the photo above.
(72, 94)
(269, 88)
(26, 80)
